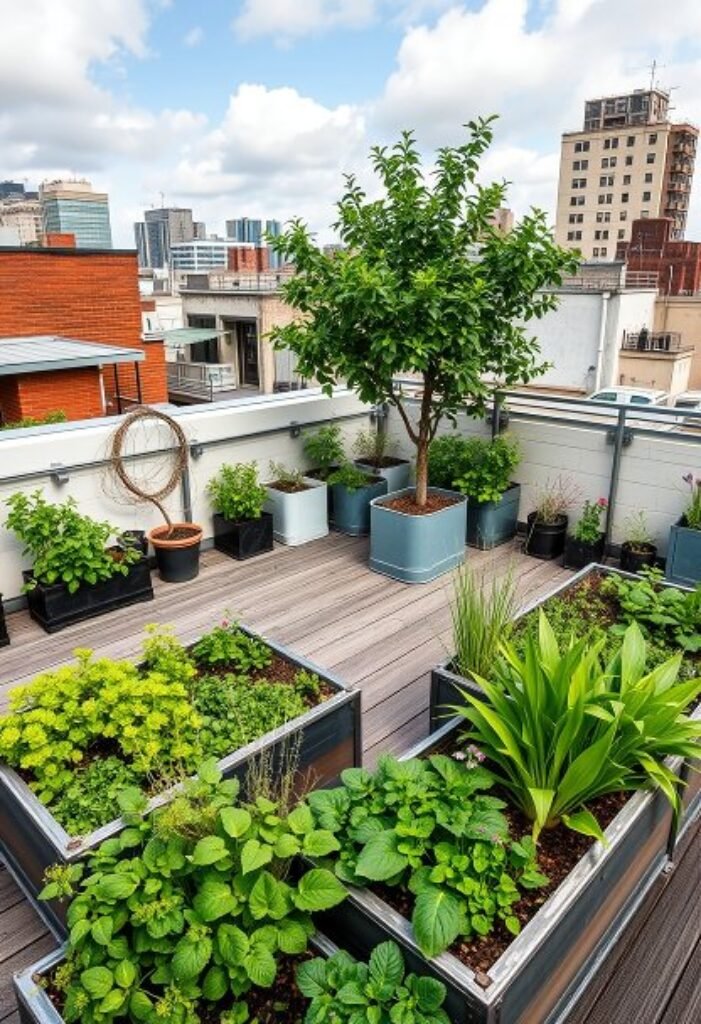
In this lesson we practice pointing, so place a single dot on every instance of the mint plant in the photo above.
(431, 827)
(191, 906)
(236, 493)
(228, 646)
(350, 477)
(344, 991)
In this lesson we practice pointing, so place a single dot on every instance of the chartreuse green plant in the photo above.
(236, 493)
(488, 466)
(343, 991)
(66, 546)
(350, 477)
(190, 907)
(430, 826)
(561, 727)
(228, 646)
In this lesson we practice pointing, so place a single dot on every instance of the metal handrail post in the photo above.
(615, 473)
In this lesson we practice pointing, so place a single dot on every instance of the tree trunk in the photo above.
(421, 471)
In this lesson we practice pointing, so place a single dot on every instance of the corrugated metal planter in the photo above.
(544, 970)
(416, 549)
(683, 555)
(352, 508)
(32, 839)
(35, 1006)
(54, 608)
(299, 516)
(397, 475)
(4, 635)
(490, 523)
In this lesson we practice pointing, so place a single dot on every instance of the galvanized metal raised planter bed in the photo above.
(540, 976)
(31, 839)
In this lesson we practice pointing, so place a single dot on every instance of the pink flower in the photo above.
(602, 503)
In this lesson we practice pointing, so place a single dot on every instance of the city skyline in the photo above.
(261, 107)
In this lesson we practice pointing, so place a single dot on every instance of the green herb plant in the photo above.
(66, 546)
(488, 468)
(482, 616)
(637, 533)
(430, 826)
(372, 447)
(324, 449)
(190, 907)
(236, 493)
(660, 611)
(561, 727)
(448, 457)
(344, 991)
(228, 646)
(554, 499)
(286, 479)
(587, 529)
(692, 513)
(350, 477)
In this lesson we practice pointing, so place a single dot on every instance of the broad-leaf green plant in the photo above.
(488, 468)
(660, 611)
(350, 477)
(236, 493)
(562, 728)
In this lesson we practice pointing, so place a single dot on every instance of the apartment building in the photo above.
(629, 162)
(73, 207)
(160, 230)
(20, 216)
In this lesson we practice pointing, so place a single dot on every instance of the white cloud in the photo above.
(194, 37)
(287, 20)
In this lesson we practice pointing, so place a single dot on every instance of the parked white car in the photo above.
(630, 396)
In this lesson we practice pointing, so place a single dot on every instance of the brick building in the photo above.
(83, 295)
(652, 250)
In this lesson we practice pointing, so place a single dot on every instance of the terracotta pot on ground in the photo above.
(177, 556)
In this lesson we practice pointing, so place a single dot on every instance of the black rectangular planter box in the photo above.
(329, 740)
(54, 608)
(580, 553)
(546, 968)
(245, 538)
(4, 636)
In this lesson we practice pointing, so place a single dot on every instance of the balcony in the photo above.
(200, 382)
(646, 341)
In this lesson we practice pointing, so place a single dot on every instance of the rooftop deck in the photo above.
(382, 637)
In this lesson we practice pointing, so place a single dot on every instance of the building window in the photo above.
(630, 141)
(595, 251)
(605, 179)
(629, 161)
(604, 162)
(580, 165)
(623, 215)
(609, 198)
(644, 214)
(599, 217)
(648, 177)
(581, 147)
(611, 143)
(603, 251)
(597, 235)
(624, 197)
(650, 158)
(576, 200)
(621, 233)
(579, 183)
(652, 139)
(580, 218)
(607, 216)
(605, 234)
(576, 218)
(626, 179)
(570, 236)
(646, 197)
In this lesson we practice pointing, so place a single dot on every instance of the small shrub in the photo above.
(350, 477)
(663, 613)
(290, 479)
(448, 457)
(588, 527)
(372, 446)
(488, 467)
(235, 492)
(636, 532)
(324, 448)
(30, 421)
(554, 499)
(227, 646)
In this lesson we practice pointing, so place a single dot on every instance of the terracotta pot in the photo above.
(177, 560)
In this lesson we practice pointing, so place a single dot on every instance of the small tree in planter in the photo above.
(684, 551)
(546, 527)
(298, 504)
(638, 549)
(241, 527)
(586, 542)
(426, 286)
(353, 489)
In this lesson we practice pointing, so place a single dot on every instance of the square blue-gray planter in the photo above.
(416, 549)
(397, 472)
(490, 523)
(351, 509)
(684, 555)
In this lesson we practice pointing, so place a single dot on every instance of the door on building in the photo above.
(206, 351)
(247, 347)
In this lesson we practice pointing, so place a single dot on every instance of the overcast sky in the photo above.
(257, 107)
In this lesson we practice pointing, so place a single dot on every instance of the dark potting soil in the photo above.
(384, 463)
(180, 533)
(559, 851)
(288, 488)
(281, 671)
(407, 504)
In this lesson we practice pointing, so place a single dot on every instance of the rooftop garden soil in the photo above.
(384, 463)
(407, 504)
(181, 533)
(288, 488)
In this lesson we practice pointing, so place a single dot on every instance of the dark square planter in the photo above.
(545, 540)
(633, 560)
(684, 555)
(579, 553)
(4, 636)
(54, 608)
(490, 523)
(352, 508)
(245, 538)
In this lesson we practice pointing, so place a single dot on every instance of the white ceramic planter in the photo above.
(301, 516)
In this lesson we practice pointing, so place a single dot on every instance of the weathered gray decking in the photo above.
(382, 637)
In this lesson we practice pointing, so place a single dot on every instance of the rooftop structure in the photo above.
(74, 207)
(160, 230)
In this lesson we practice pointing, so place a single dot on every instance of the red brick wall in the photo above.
(10, 403)
(54, 240)
(75, 392)
(677, 264)
(91, 296)
(249, 261)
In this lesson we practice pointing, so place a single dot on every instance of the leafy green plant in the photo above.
(482, 618)
(347, 992)
(692, 514)
(91, 795)
(350, 477)
(236, 493)
(286, 479)
(228, 646)
(66, 547)
(324, 448)
(429, 826)
(637, 533)
(30, 421)
(487, 468)
(659, 610)
(448, 456)
(562, 728)
(587, 529)
(190, 907)
(372, 446)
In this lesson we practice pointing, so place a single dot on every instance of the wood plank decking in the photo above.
(382, 637)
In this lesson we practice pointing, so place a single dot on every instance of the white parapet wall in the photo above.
(256, 429)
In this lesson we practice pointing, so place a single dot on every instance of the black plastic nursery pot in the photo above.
(177, 550)
(635, 558)
(545, 540)
(4, 635)
(326, 739)
(243, 538)
(54, 608)
(579, 553)
(545, 969)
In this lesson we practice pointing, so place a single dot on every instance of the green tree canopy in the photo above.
(427, 285)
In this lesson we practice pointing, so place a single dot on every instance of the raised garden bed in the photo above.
(324, 740)
(54, 608)
(538, 975)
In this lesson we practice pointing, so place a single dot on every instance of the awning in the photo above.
(39, 354)
(190, 335)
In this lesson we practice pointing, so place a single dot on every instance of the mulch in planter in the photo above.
(181, 533)
(281, 485)
(385, 463)
(407, 504)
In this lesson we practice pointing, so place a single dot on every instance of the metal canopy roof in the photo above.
(48, 352)
(190, 335)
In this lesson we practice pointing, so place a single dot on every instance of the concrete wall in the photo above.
(27, 451)
(682, 313)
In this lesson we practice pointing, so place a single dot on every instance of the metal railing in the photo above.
(204, 380)
(236, 282)
(647, 341)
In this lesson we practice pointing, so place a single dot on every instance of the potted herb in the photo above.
(492, 497)
(4, 635)
(371, 450)
(586, 542)
(638, 549)
(546, 527)
(241, 528)
(684, 548)
(425, 286)
(324, 449)
(298, 505)
(353, 488)
(79, 569)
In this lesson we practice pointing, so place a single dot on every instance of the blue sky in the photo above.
(257, 107)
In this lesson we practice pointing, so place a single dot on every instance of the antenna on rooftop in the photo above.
(163, 199)
(653, 68)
